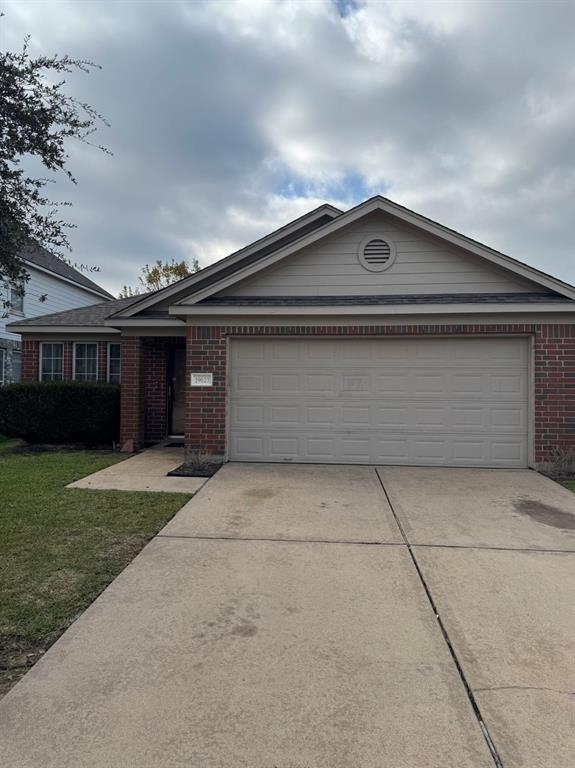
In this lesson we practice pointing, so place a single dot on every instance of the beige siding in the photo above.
(424, 265)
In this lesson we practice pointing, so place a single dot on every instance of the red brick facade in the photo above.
(145, 369)
(30, 360)
(554, 390)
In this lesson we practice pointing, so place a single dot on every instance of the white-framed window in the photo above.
(51, 361)
(114, 363)
(16, 366)
(85, 361)
(2, 367)
(16, 299)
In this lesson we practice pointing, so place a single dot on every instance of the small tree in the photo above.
(160, 275)
(37, 118)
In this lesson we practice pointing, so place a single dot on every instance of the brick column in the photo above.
(554, 391)
(132, 394)
(102, 361)
(155, 373)
(68, 362)
(205, 421)
(30, 360)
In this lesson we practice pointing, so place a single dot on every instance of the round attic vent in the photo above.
(376, 254)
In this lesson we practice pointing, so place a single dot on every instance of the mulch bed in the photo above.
(206, 470)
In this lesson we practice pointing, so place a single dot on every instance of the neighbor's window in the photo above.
(17, 298)
(114, 363)
(16, 366)
(51, 362)
(86, 362)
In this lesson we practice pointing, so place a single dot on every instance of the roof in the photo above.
(345, 301)
(92, 315)
(405, 215)
(166, 305)
(324, 221)
(250, 254)
(40, 257)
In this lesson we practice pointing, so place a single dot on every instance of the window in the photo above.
(2, 366)
(16, 366)
(16, 299)
(86, 362)
(114, 363)
(51, 362)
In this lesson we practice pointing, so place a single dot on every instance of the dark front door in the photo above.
(178, 391)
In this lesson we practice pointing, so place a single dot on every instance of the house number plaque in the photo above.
(202, 379)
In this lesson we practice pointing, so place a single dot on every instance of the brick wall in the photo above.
(102, 361)
(554, 375)
(554, 389)
(30, 360)
(132, 394)
(145, 361)
(145, 367)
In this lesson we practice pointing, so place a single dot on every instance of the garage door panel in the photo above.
(403, 401)
(411, 417)
(373, 449)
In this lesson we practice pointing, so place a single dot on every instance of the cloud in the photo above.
(230, 119)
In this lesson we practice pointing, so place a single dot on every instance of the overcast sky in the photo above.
(229, 119)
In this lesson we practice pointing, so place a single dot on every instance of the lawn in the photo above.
(570, 484)
(59, 548)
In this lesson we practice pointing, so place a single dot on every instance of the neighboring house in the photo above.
(54, 286)
(371, 336)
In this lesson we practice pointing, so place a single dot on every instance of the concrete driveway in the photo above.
(287, 617)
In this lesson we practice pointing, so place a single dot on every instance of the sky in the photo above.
(230, 118)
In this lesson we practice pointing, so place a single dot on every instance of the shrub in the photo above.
(61, 412)
(561, 465)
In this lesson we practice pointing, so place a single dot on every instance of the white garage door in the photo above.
(452, 402)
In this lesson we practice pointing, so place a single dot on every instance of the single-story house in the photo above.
(370, 336)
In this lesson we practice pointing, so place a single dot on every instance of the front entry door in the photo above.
(178, 391)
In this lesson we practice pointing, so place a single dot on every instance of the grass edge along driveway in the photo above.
(59, 547)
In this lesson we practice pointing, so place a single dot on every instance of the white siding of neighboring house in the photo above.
(424, 265)
(60, 296)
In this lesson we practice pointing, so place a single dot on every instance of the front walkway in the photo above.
(285, 618)
(146, 471)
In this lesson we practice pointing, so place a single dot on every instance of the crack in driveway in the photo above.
(473, 702)
(522, 688)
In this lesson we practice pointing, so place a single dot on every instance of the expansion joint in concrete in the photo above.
(473, 702)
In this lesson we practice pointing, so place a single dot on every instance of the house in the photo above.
(370, 336)
(53, 286)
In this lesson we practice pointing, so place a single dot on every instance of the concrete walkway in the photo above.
(146, 471)
(285, 618)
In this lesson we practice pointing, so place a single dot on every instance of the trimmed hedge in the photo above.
(61, 412)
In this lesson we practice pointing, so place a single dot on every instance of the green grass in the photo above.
(59, 547)
(570, 484)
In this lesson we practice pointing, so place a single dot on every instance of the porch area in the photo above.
(153, 391)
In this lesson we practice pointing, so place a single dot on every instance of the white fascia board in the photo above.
(94, 329)
(190, 281)
(499, 259)
(56, 276)
(380, 309)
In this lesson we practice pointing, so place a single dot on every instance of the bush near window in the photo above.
(61, 412)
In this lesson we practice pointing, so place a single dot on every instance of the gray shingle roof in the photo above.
(96, 314)
(42, 258)
(93, 314)
(438, 298)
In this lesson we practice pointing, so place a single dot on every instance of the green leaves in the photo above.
(37, 118)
